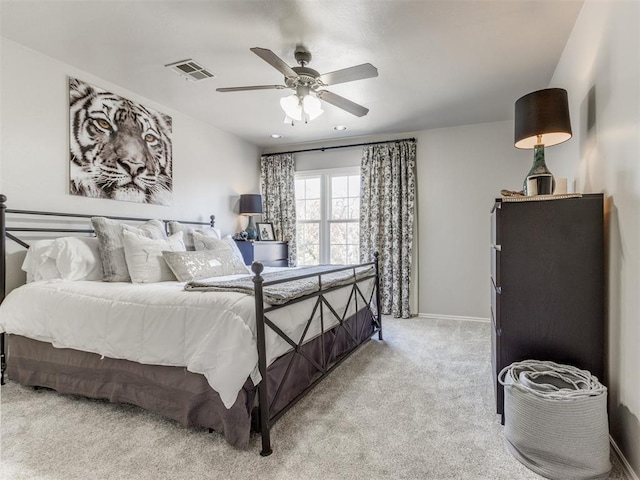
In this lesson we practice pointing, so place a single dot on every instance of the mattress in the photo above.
(210, 333)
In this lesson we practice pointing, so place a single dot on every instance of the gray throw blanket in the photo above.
(281, 293)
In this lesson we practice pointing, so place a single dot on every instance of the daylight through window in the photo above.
(328, 210)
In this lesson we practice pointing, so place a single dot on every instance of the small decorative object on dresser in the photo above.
(265, 231)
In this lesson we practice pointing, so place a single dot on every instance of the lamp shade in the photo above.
(301, 106)
(542, 118)
(250, 204)
(312, 107)
(291, 106)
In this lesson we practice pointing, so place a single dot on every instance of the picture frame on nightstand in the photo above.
(265, 231)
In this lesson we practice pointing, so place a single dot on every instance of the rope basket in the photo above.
(556, 420)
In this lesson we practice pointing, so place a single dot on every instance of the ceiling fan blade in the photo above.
(274, 60)
(254, 87)
(343, 103)
(359, 72)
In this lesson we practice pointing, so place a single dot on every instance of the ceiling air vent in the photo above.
(191, 70)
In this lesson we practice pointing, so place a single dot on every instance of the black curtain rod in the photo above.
(322, 149)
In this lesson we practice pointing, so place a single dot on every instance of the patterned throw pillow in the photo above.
(226, 245)
(175, 227)
(144, 256)
(109, 233)
(197, 265)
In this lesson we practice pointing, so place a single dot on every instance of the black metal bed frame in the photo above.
(263, 418)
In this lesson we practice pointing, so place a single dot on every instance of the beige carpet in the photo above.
(417, 406)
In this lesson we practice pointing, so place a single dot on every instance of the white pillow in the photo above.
(144, 256)
(234, 246)
(38, 264)
(77, 258)
(175, 227)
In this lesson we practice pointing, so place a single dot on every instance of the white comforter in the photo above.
(210, 333)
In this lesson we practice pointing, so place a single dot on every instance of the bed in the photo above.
(231, 353)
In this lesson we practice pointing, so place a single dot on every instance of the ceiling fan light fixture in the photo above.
(292, 108)
(305, 108)
(312, 107)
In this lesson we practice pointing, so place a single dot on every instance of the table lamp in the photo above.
(250, 205)
(542, 118)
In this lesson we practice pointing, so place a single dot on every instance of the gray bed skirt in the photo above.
(173, 391)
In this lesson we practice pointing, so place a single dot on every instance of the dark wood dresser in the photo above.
(270, 254)
(547, 274)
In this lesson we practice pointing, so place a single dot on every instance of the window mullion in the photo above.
(326, 209)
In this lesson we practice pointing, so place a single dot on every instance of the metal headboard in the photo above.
(8, 232)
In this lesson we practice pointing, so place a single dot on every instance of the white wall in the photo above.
(600, 69)
(211, 168)
(460, 172)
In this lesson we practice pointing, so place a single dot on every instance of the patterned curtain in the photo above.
(277, 184)
(388, 182)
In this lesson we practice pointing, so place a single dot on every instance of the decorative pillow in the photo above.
(197, 265)
(144, 256)
(38, 264)
(109, 233)
(234, 246)
(203, 242)
(175, 227)
(77, 258)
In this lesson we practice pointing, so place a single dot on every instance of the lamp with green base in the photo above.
(250, 205)
(542, 119)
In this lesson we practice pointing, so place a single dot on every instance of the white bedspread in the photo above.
(211, 333)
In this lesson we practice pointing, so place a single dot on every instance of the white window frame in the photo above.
(325, 204)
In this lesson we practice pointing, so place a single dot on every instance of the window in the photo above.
(328, 216)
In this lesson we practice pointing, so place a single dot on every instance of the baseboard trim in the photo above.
(631, 475)
(434, 316)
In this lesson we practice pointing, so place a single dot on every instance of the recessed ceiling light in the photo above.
(339, 128)
(275, 135)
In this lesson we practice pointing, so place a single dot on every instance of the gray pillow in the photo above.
(109, 233)
(175, 227)
(197, 265)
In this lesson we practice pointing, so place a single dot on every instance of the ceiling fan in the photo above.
(308, 85)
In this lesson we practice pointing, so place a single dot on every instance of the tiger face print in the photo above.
(119, 149)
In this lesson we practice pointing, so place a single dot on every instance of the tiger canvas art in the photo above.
(119, 149)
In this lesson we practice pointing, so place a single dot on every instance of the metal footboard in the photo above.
(323, 306)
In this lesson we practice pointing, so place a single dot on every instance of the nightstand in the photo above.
(270, 254)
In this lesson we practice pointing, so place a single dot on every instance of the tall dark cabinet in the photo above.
(547, 273)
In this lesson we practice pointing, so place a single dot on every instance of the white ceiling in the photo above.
(441, 62)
